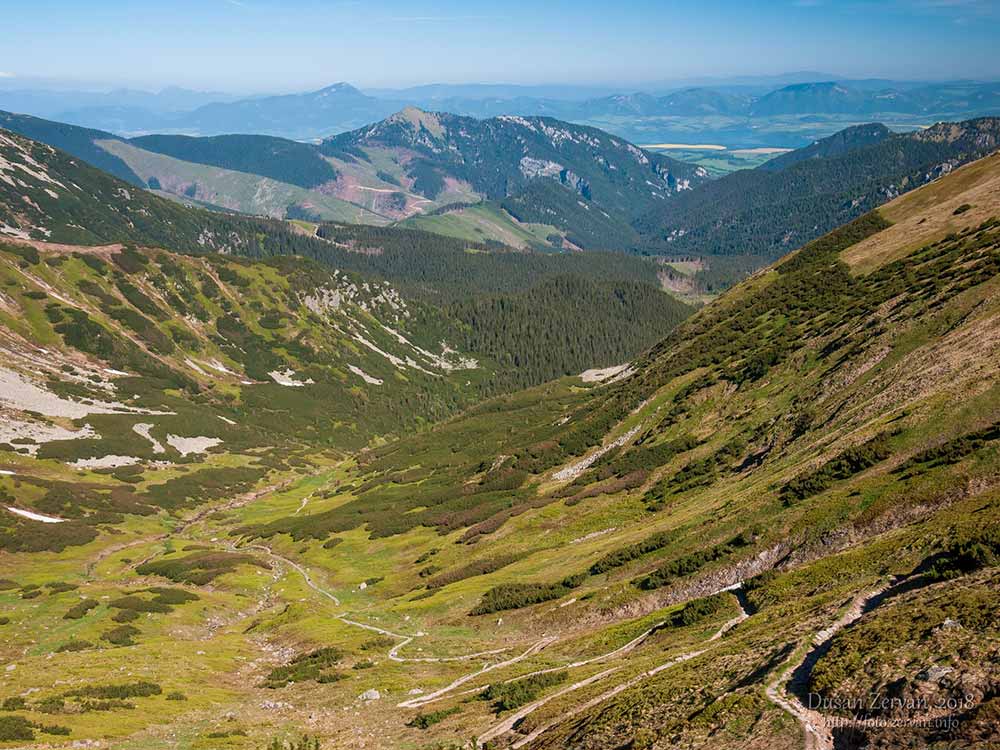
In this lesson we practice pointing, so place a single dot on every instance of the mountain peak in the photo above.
(417, 119)
(340, 87)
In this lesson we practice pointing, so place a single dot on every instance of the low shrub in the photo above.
(74, 645)
(15, 729)
(302, 668)
(378, 643)
(425, 721)
(198, 568)
(506, 696)
(844, 465)
(80, 609)
(517, 595)
(123, 635)
(690, 563)
(475, 568)
(141, 689)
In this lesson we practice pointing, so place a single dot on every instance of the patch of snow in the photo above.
(596, 375)
(14, 430)
(143, 429)
(186, 445)
(14, 232)
(576, 469)
(593, 535)
(219, 367)
(287, 378)
(364, 375)
(35, 516)
(105, 462)
(20, 393)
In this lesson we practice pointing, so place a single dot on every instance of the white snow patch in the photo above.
(600, 375)
(186, 445)
(35, 516)
(143, 429)
(364, 375)
(14, 232)
(287, 378)
(14, 430)
(219, 367)
(593, 535)
(105, 462)
(20, 393)
(574, 470)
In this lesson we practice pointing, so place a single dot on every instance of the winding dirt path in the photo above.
(817, 731)
(618, 652)
(424, 699)
(239, 501)
(405, 640)
(508, 724)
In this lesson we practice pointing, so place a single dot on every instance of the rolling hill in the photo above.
(793, 493)
(332, 109)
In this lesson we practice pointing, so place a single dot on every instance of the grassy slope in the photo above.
(237, 191)
(482, 223)
(773, 380)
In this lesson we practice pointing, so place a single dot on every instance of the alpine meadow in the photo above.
(565, 377)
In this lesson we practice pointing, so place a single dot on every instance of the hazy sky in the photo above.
(292, 45)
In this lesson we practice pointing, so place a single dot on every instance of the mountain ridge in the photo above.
(765, 211)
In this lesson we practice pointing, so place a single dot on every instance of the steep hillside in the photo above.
(769, 211)
(249, 174)
(795, 492)
(277, 158)
(836, 145)
(80, 142)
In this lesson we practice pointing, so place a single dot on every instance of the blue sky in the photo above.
(292, 45)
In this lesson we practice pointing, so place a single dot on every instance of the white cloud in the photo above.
(5, 74)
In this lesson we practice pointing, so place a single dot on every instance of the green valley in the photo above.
(372, 486)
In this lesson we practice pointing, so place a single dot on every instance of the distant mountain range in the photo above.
(341, 107)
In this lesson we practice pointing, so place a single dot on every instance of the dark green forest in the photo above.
(565, 325)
